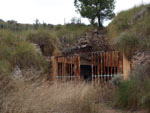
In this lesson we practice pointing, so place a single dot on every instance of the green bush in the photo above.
(134, 20)
(127, 43)
(134, 93)
(17, 52)
(46, 41)
(26, 56)
(71, 32)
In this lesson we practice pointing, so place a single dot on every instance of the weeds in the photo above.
(17, 52)
(45, 40)
(132, 28)
(127, 43)
(68, 98)
(134, 93)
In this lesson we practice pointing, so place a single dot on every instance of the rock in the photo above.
(91, 41)
(116, 80)
(37, 49)
(140, 14)
(140, 58)
(17, 73)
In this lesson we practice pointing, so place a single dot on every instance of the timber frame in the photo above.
(68, 68)
(104, 66)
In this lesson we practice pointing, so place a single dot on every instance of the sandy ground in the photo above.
(105, 109)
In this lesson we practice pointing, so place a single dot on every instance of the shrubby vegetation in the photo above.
(22, 47)
(46, 40)
(131, 28)
(29, 49)
(134, 93)
(60, 98)
(15, 51)
(129, 31)
(70, 32)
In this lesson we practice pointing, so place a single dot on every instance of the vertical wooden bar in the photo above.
(61, 68)
(114, 62)
(108, 64)
(62, 59)
(75, 66)
(111, 62)
(98, 67)
(104, 67)
(104, 62)
(57, 68)
(122, 63)
(107, 54)
(101, 67)
(95, 68)
(65, 68)
(69, 68)
(118, 62)
(92, 66)
(79, 67)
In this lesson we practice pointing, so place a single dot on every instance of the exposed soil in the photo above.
(106, 109)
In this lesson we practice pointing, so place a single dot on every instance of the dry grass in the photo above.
(57, 98)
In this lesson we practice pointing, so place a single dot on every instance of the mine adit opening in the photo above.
(102, 65)
(86, 72)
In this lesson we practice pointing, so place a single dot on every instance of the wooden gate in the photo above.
(68, 68)
(106, 65)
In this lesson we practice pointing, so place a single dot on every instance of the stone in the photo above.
(140, 58)
(17, 73)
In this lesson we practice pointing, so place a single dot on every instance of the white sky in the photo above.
(50, 11)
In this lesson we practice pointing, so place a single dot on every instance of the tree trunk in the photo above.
(99, 22)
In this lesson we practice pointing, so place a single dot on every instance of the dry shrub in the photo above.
(57, 98)
(134, 93)
(46, 40)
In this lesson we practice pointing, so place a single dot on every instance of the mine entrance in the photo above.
(102, 67)
(86, 72)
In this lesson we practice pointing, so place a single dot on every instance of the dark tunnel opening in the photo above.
(86, 72)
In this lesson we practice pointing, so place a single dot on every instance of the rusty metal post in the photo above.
(63, 68)
(75, 73)
(98, 67)
(108, 63)
(101, 67)
(104, 67)
(118, 62)
(71, 68)
(79, 68)
(114, 59)
(92, 65)
(111, 58)
(95, 76)
(68, 75)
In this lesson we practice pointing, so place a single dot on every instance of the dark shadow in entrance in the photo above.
(86, 72)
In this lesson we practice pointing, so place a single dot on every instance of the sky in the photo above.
(51, 11)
